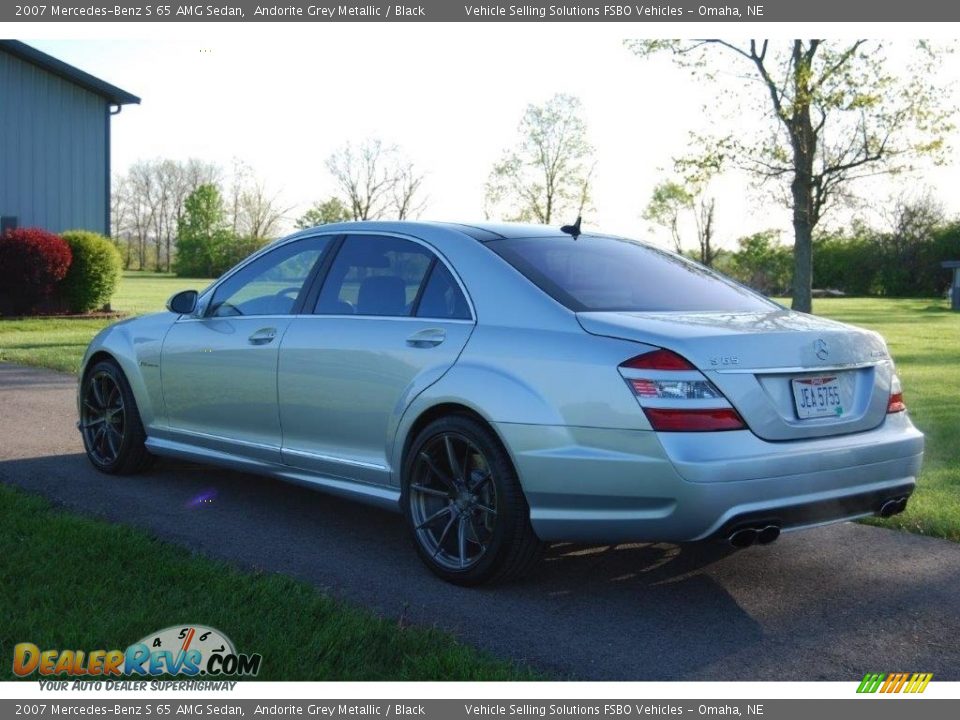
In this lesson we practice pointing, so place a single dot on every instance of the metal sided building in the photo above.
(54, 142)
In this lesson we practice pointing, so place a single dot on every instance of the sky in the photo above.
(450, 96)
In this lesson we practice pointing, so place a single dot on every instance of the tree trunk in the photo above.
(706, 231)
(803, 221)
(802, 263)
(803, 138)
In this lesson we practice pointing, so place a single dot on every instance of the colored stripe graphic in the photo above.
(894, 682)
(919, 682)
(870, 683)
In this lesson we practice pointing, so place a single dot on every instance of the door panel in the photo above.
(219, 383)
(344, 383)
(219, 372)
(391, 320)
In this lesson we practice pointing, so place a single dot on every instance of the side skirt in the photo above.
(376, 495)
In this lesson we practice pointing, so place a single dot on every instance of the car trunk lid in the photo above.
(789, 375)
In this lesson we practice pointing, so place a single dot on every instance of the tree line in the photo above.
(149, 202)
(822, 115)
(898, 255)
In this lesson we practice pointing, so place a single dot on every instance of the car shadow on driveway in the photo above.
(811, 606)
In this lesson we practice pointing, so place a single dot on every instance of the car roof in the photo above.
(486, 231)
(480, 231)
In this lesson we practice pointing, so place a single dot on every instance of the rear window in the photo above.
(599, 273)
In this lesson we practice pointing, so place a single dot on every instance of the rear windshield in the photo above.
(600, 273)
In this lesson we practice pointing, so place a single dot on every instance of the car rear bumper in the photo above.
(607, 485)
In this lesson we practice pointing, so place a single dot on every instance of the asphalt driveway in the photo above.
(828, 604)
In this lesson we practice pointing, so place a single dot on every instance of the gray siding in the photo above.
(54, 153)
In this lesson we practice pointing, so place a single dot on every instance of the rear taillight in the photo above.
(895, 404)
(675, 396)
(674, 389)
(658, 360)
(675, 420)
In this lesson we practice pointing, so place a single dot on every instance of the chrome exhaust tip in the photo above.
(893, 507)
(743, 538)
(768, 534)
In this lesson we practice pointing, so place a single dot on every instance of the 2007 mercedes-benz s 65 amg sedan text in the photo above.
(504, 386)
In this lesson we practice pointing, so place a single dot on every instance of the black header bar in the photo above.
(480, 11)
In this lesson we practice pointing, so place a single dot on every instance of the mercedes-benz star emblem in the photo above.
(821, 349)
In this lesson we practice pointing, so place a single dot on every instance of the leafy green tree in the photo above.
(671, 201)
(331, 210)
(237, 249)
(763, 263)
(913, 223)
(203, 237)
(847, 260)
(547, 173)
(831, 113)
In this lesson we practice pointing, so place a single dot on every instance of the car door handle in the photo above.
(427, 338)
(263, 336)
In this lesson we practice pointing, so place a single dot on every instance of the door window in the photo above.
(271, 284)
(374, 275)
(442, 297)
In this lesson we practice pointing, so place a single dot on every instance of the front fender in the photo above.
(135, 345)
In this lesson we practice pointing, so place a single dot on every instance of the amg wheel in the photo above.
(110, 424)
(464, 506)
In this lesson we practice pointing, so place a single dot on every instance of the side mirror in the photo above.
(184, 302)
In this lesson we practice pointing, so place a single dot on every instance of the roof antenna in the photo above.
(573, 230)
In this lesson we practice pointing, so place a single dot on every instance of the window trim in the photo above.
(415, 306)
(304, 288)
(204, 302)
(423, 288)
(437, 257)
(556, 293)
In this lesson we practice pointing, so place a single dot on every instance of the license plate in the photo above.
(817, 397)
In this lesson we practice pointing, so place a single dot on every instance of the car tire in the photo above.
(110, 425)
(463, 504)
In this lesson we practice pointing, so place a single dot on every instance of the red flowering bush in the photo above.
(32, 262)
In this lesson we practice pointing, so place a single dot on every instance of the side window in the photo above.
(270, 284)
(442, 297)
(374, 275)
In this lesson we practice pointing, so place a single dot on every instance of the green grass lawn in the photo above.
(50, 555)
(148, 585)
(924, 338)
(68, 582)
(59, 342)
(143, 292)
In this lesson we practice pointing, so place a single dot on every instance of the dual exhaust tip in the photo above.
(893, 507)
(745, 537)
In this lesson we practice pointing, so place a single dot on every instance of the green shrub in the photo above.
(848, 262)
(94, 274)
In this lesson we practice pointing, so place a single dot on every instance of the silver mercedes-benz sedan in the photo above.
(504, 386)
